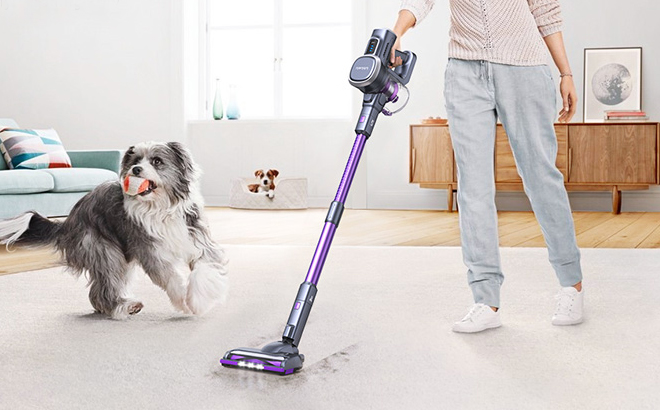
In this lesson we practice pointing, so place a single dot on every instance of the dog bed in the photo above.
(290, 193)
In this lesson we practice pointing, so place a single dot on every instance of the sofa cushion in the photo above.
(6, 123)
(24, 181)
(78, 179)
(33, 149)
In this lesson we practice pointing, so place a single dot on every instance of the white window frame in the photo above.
(205, 94)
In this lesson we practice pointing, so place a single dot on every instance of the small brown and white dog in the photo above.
(266, 183)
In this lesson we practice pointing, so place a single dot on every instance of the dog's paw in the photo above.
(253, 188)
(181, 305)
(176, 291)
(207, 287)
(271, 194)
(126, 308)
(135, 308)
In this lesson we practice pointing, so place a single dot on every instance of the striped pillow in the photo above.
(33, 149)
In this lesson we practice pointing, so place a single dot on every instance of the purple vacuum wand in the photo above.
(283, 357)
(372, 75)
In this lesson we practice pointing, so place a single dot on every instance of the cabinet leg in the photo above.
(616, 200)
(450, 198)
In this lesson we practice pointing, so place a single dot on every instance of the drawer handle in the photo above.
(414, 161)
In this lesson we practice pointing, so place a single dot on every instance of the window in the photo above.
(286, 58)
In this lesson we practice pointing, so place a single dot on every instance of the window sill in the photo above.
(271, 120)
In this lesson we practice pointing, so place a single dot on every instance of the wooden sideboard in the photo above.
(611, 157)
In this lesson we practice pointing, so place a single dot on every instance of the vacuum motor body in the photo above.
(371, 74)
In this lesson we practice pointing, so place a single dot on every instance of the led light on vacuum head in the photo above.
(278, 358)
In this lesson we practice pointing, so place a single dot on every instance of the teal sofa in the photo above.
(53, 192)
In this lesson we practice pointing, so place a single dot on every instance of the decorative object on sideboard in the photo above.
(217, 102)
(625, 116)
(434, 120)
(612, 81)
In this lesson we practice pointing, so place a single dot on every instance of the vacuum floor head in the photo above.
(278, 357)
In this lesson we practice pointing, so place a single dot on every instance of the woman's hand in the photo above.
(569, 98)
(394, 60)
(404, 22)
(555, 43)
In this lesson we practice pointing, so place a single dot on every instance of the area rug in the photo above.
(379, 337)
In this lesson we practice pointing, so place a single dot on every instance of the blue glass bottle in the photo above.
(233, 111)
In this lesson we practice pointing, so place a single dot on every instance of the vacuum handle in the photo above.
(403, 55)
(405, 70)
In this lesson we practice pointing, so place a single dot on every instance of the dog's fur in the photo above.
(266, 184)
(109, 233)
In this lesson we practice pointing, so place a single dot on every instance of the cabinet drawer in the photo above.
(505, 165)
(612, 153)
(431, 155)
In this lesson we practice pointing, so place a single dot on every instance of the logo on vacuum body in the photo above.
(362, 68)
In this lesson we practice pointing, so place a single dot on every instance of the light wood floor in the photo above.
(391, 228)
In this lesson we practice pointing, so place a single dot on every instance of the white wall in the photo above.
(387, 171)
(103, 73)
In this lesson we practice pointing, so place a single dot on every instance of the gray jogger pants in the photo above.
(524, 98)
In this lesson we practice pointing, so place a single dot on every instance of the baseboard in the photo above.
(312, 202)
(433, 199)
(634, 201)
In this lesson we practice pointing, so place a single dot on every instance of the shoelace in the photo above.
(565, 302)
(474, 312)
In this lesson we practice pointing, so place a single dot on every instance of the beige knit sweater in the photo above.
(500, 31)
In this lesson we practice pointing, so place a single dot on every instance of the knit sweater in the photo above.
(501, 31)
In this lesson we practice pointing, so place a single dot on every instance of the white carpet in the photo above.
(378, 337)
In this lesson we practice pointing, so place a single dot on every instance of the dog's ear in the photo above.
(274, 172)
(183, 158)
(259, 173)
(126, 159)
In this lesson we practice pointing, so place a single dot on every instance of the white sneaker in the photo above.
(480, 317)
(570, 305)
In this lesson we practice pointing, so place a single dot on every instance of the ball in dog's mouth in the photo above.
(138, 186)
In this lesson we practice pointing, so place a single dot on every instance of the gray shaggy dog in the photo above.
(162, 230)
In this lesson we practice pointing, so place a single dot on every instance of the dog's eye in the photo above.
(157, 161)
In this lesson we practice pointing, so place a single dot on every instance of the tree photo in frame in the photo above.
(612, 81)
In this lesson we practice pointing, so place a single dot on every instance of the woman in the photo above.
(497, 69)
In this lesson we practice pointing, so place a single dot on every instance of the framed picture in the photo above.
(612, 81)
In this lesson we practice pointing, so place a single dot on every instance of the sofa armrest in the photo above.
(103, 159)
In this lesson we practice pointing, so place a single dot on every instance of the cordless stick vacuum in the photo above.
(380, 84)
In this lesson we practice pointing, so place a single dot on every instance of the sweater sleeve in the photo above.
(547, 14)
(419, 8)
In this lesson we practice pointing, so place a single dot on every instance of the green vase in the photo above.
(217, 102)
